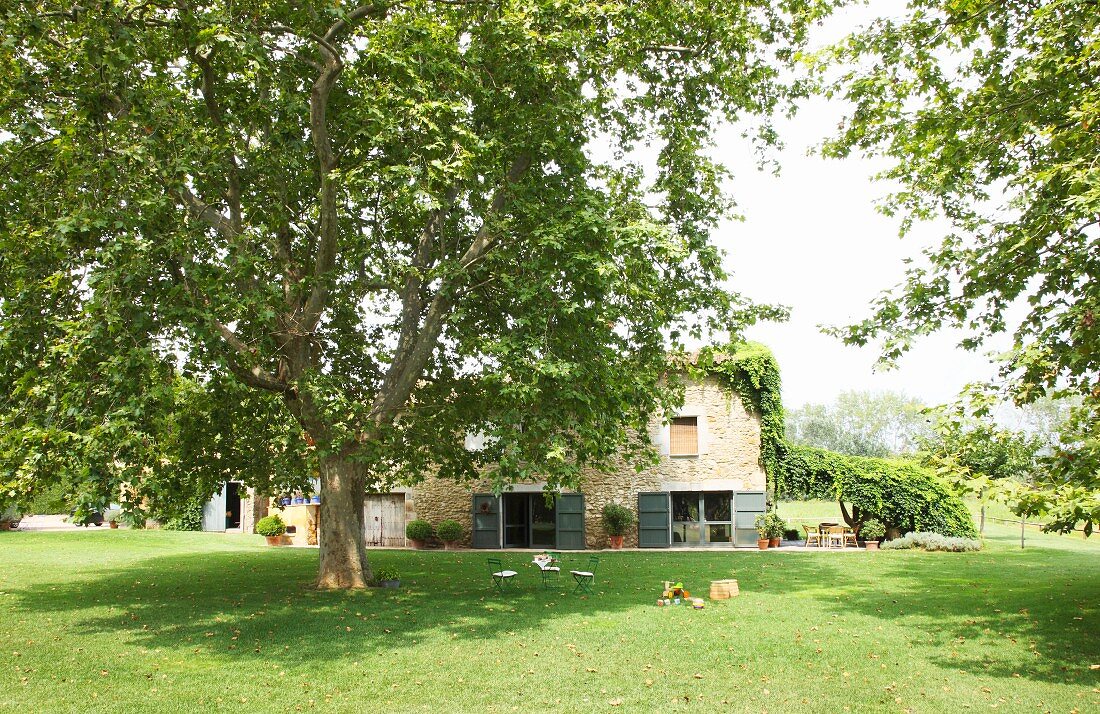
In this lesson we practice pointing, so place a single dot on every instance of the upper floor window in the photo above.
(684, 436)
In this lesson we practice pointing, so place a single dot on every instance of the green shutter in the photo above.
(747, 505)
(486, 520)
(653, 524)
(570, 514)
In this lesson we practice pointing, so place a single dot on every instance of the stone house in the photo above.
(706, 490)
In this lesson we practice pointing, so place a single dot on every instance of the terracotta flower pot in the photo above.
(774, 542)
(418, 544)
(274, 540)
(872, 545)
(114, 524)
(451, 545)
(762, 543)
(616, 541)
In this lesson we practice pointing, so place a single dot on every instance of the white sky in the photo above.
(812, 240)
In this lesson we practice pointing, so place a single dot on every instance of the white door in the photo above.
(384, 516)
(213, 512)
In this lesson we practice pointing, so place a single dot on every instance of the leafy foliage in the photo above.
(270, 526)
(860, 423)
(872, 529)
(418, 530)
(988, 112)
(750, 371)
(617, 519)
(386, 572)
(932, 542)
(186, 518)
(448, 531)
(900, 493)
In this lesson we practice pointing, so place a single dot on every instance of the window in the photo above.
(684, 437)
(716, 523)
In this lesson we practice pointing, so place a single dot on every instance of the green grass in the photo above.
(134, 621)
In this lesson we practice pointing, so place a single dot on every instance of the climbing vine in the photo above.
(749, 370)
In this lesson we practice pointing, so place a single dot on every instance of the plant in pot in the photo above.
(418, 532)
(776, 527)
(272, 528)
(112, 516)
(450, 532)
(763, 531)
(872, 531)
(387, 577)
(617, 520)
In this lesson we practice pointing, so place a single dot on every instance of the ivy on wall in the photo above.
(749, 370)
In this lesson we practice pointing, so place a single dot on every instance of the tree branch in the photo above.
(484, 238)
(214, 110)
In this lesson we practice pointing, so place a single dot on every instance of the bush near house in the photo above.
(899, 493)
(270, 526)
(449, 531)
(418, 530)
(933, 541)
(617, 519)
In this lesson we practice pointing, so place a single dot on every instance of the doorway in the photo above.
(384, 519)
(528, 521)
(232, 505)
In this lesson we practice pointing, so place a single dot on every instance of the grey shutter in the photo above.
(653, 523)
(213, 512)
(486, 521)
(747, 505)
(570, 513)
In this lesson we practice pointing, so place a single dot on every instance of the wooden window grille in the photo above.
(684, 436)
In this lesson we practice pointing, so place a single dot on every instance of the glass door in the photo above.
(543, 523)
(516, 534)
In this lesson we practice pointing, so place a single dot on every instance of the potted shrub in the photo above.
(872, 532)
(763, 531)
(776, 527)
(791, 534)
(315, 499)
(387, 577)
(617, 520)
(418, 532)
(450, 532)
(112, 516)
(272, 528)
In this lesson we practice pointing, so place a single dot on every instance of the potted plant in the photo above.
(387, 577)
(112, 516)
(450, 532)
(284, 501)
(272, 528)
(872, 531)
(298, 500)
(315, 499)
(763, 531)
(617, 520)
(418, 532)
(776, 527)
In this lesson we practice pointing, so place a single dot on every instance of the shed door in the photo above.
(486, 521)
(570, 516)
(213, 512)
(653, 520)
(384, 519)
(747, 505)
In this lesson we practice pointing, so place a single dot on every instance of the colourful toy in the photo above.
(675, 592)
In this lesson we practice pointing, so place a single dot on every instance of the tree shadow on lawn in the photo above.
(979, 612)
(258, 603)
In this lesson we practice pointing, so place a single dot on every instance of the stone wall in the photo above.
(729, 460)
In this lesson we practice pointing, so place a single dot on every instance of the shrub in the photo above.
(763, 526)
(186, 518)
(418, 530)
(449, 531)
(270, 526)
(387, 573)
(899, 493)
(617, 519)
(872, 530)
(791, 533)
(933, 542)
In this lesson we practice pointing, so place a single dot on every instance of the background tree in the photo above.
(989, 113)
(980, 457)
(386, 218)
(860, 423)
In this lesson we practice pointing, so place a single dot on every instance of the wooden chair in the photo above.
(501, 577)
(834, 536)
(813, 535)
(850, 537)
(585, 578)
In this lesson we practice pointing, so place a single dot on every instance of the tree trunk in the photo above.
(340, 532)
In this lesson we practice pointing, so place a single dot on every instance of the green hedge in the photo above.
(899, 493)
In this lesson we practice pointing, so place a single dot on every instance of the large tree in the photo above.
(396, 222)
(990, 115)
(860, 423)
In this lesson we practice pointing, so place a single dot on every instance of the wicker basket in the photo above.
(723, 589)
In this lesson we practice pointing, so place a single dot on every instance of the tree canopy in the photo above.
(860, 423)
(990, 113)
(393, 222)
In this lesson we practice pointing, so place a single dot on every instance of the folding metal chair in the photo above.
(585, 578)
(501, 577)
(551, 571)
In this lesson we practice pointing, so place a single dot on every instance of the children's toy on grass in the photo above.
(673, 594)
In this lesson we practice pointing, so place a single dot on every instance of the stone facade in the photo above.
(728, 459)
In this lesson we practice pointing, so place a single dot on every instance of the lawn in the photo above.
(178, 622)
